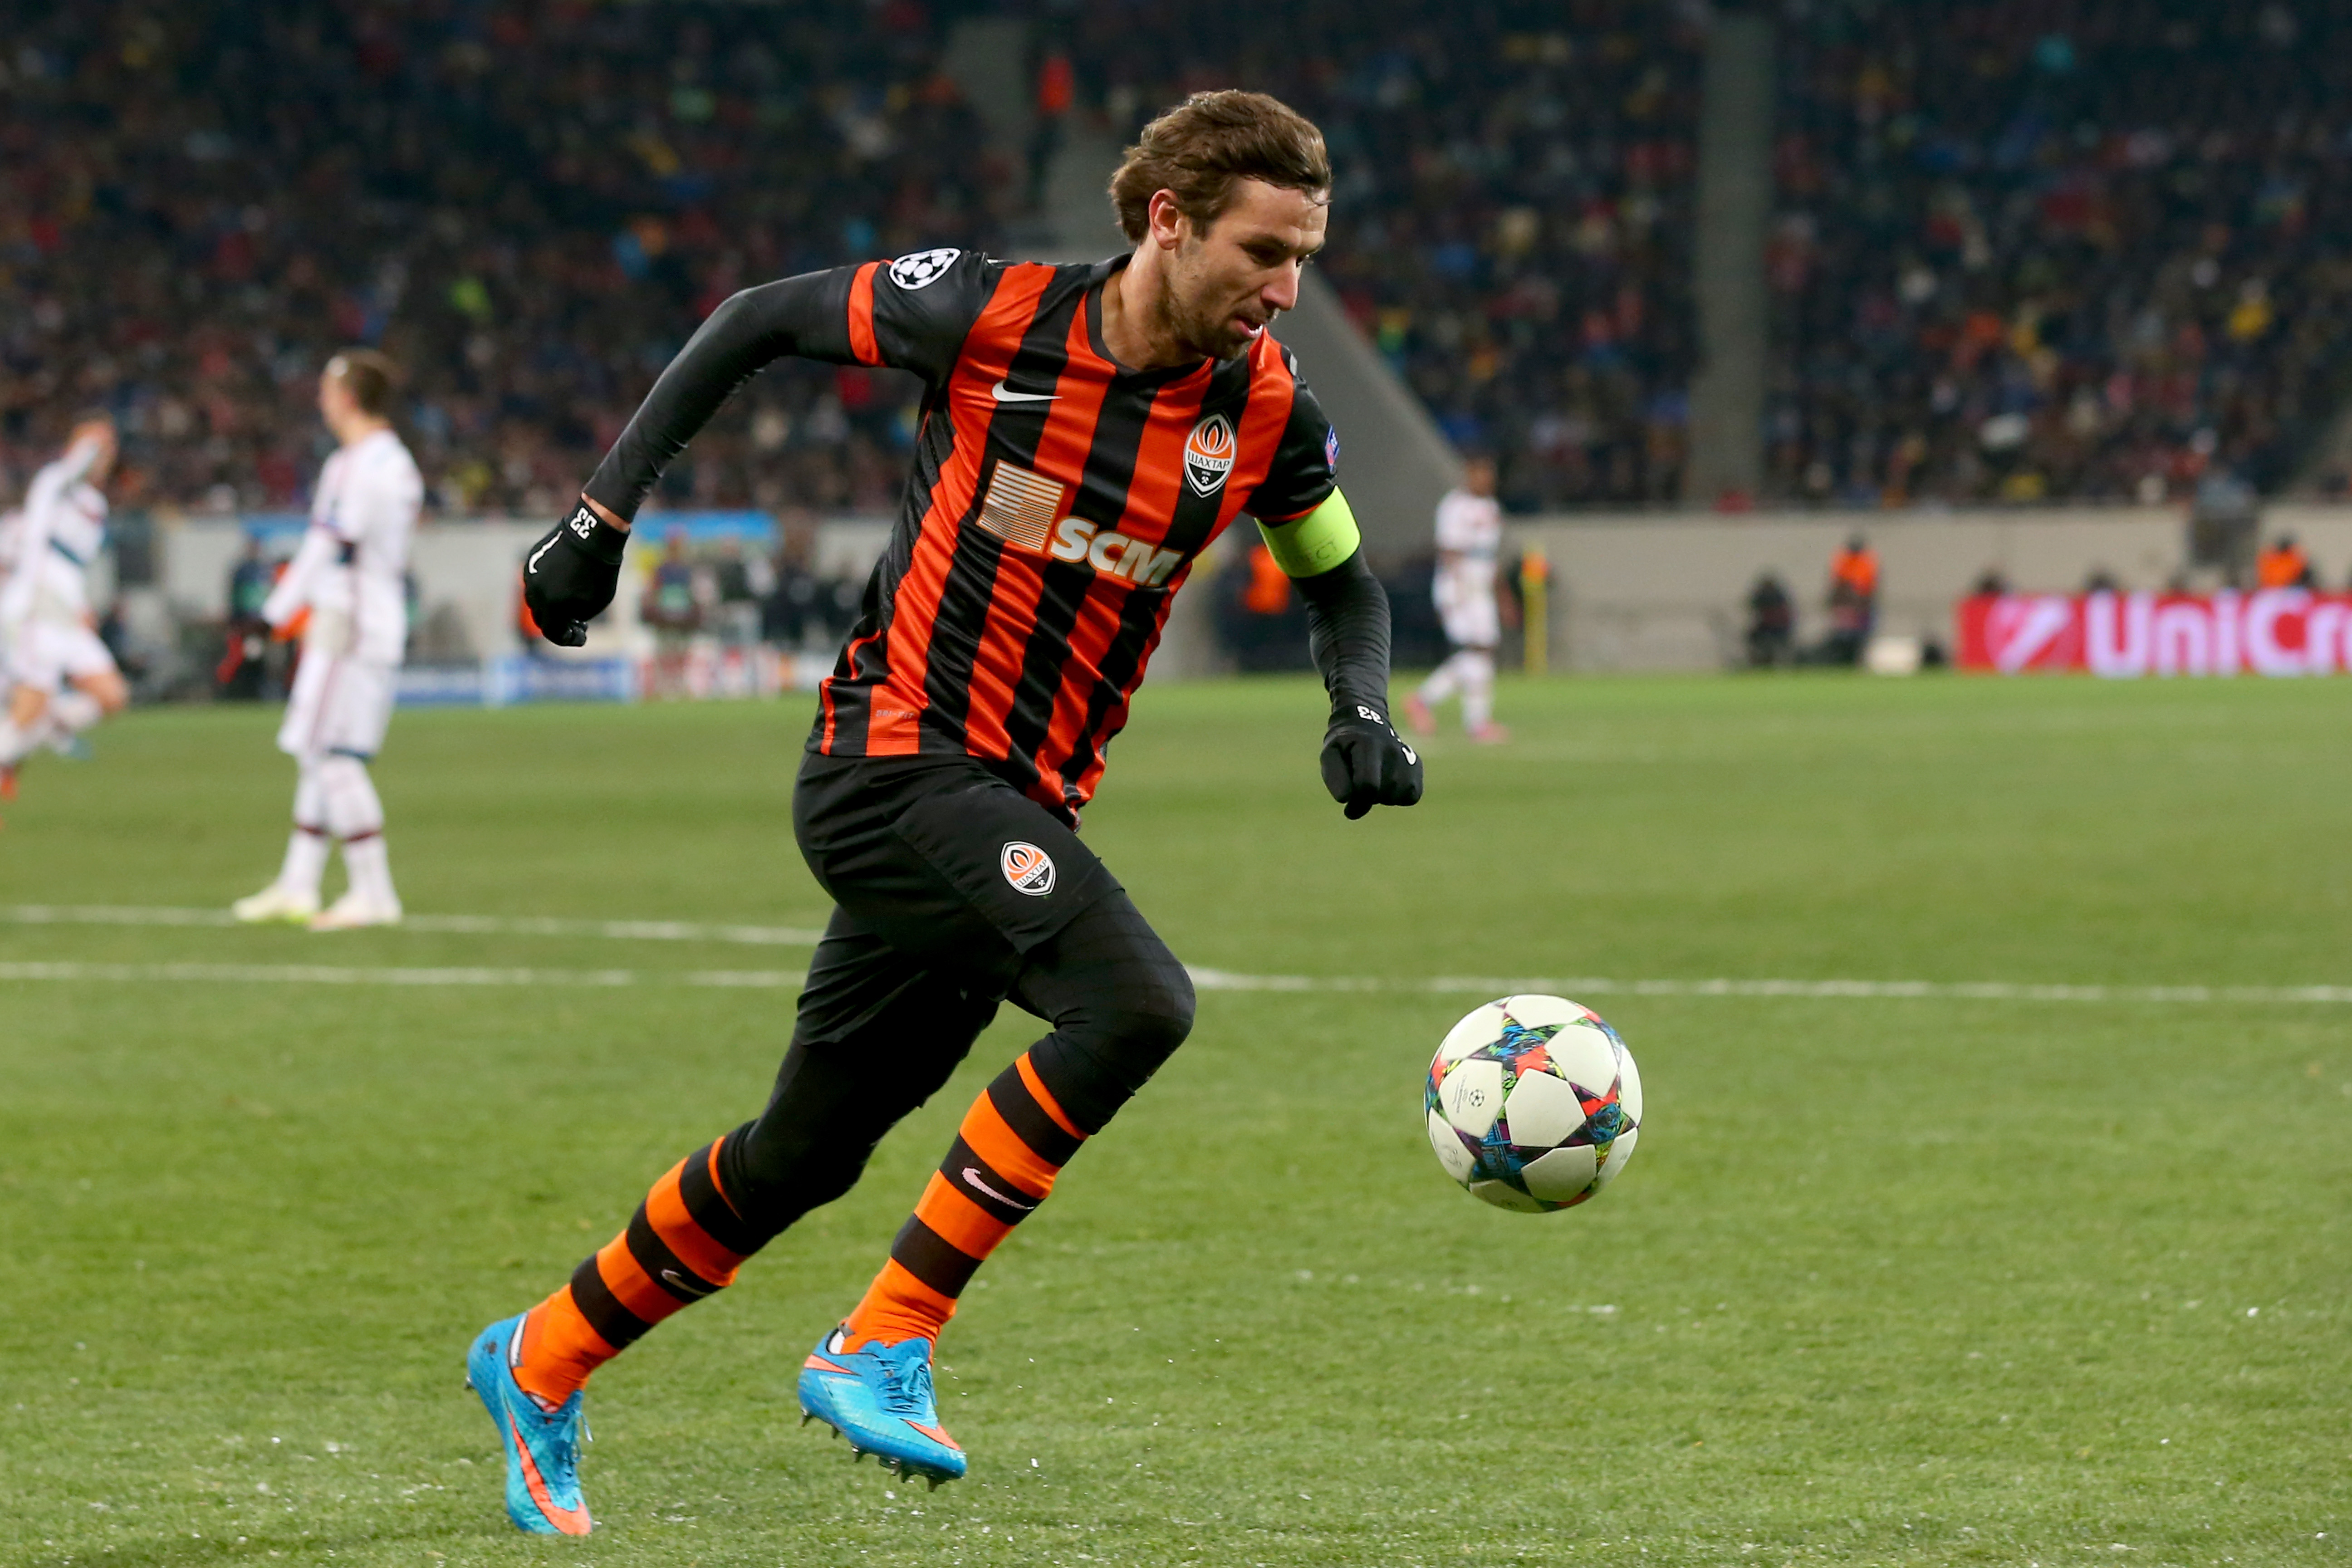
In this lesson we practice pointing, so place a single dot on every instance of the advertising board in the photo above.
(2274, 631)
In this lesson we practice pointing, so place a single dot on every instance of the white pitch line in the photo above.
(364, 974)
(1205, 979)
(437, 925)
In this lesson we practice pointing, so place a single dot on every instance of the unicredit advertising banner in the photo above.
(2277, 631)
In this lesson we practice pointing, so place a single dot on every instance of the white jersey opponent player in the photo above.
(61, 678)
(350, 575)
(1469, 603)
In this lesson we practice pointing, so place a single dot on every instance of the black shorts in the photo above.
(937, 866)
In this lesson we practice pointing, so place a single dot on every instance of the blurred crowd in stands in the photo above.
(2040, 249)
(2023, 250)
(530, 205)
(1512, 221)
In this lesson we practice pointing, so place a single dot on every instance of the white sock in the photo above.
(1477, 689)
(17, 744)
(348, 803)
(1442, 682)
(73, 711)
(369, 867)
(306, 861)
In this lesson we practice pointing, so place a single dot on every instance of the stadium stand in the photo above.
(2024, 251)
(2030, 250)
(530, 205)
(1512, 222)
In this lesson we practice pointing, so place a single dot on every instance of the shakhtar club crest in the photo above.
(1209, 454)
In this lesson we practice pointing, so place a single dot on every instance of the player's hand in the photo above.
(1367, 763)
(571, 575)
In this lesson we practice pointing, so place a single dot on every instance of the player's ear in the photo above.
(1170, 226)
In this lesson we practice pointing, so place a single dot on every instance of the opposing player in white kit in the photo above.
(1469, 603)
(61, 679)
(350, 575)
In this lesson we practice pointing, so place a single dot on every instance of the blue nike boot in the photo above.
(880, 1399)
(542, 1449)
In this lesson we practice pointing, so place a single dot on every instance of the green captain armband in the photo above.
(1311, 545)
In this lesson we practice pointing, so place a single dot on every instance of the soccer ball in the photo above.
(1533, 1103)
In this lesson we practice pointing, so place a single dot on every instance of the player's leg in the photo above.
(94, 690)
(873, 1039)
(1479, 696)
(25, 725)
(835, 1095)
(26, 722)
(354, 815)
(294, 896)
(1442, 682)
(353, 711)
(1120, 1004)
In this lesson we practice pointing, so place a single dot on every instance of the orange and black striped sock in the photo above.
(684, 1243)
(1014, 1141)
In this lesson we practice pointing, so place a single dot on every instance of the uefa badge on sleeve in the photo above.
(921, 269)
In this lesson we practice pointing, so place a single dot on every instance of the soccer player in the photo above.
(62, 679)
(1086, 431)
(350, 575)
(1469, 604)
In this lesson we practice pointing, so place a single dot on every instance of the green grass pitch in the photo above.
(1892, 1281)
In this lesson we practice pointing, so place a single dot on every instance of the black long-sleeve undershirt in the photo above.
(1347, 633)
(804, 315)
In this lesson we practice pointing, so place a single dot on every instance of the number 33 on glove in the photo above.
(1367, 763)
(571, 575)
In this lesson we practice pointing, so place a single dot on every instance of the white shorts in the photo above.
(47, 654)
(338, 705)
(1475, 625)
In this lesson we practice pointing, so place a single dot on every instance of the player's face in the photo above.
(1227, 284)
(335, 400)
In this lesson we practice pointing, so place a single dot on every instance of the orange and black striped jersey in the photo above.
(1057, 504)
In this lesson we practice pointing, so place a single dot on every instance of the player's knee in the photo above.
(110, 692)
(1156, 1024)
(778, 1169)
(1102, 1055)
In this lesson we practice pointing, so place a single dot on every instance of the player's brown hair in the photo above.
(370, 377)
(1200, 149)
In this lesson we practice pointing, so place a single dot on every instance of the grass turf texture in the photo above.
(1891, 1281)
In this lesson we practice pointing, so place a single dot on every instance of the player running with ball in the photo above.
(1086, 431)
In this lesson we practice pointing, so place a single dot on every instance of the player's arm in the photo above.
(570, 573)
(1311, 531)
(911, 318)
(320, 549)
(42, 499)
(1365, 762)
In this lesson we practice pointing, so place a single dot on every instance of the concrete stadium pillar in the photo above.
(1734, 208)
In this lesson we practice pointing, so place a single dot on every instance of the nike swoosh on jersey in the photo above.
(974, 1177)
(1004, 393)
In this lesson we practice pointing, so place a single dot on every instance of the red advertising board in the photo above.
(2277, 631)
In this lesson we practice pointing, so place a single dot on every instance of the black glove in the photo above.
(570, 575)
(1367, 763)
